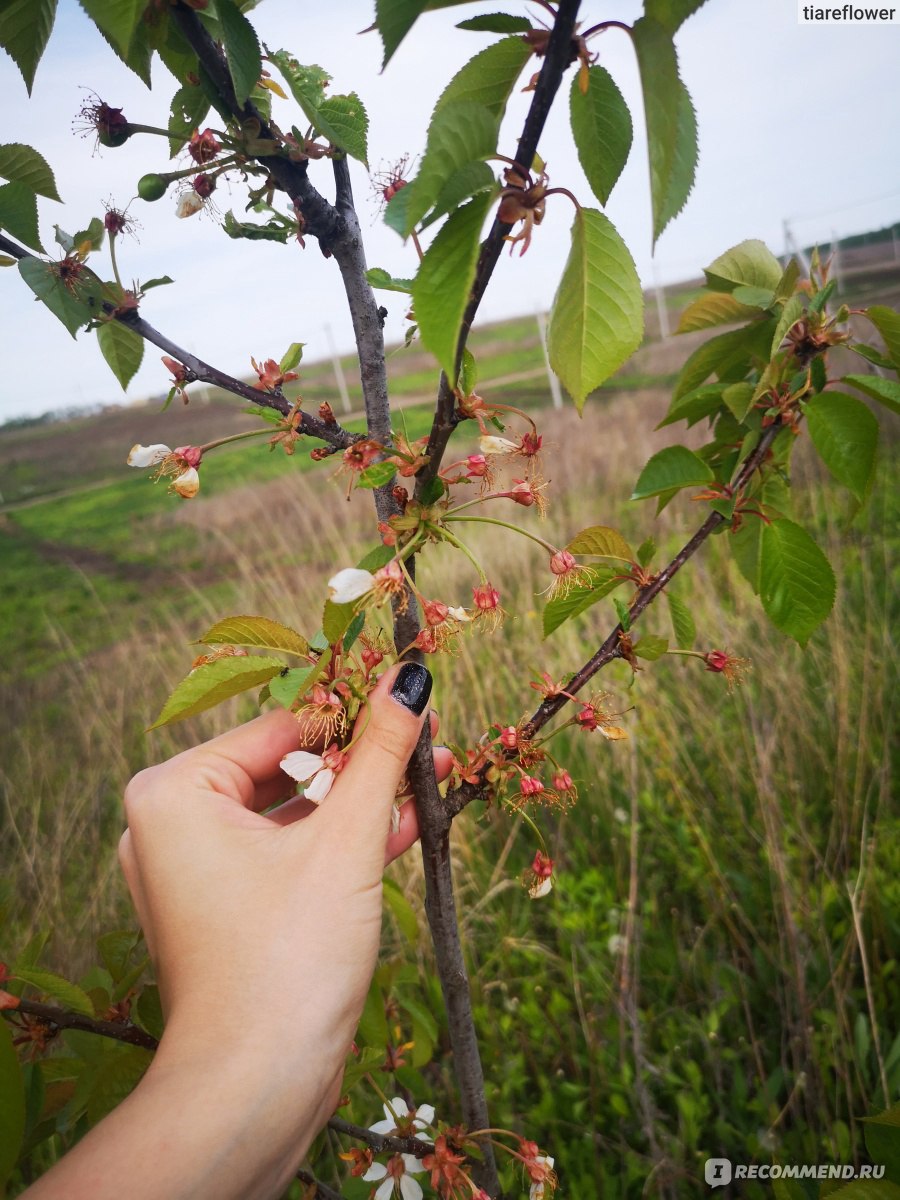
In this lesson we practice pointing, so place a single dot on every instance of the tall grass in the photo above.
(714, 972)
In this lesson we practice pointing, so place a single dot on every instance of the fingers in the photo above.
(366, 787)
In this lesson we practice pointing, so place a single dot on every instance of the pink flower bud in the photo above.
(509, 737)
(190, 454)
(435, 612)
(204, 185)
(522, 493)
(716, 660)
(530, 786)
(486, 597)
(562, 562)
(587, 718)
(562, 781)
(426, 641)
(477, 466)
(530, 444)
(542, 865)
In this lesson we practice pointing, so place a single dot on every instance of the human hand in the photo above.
(264, 928)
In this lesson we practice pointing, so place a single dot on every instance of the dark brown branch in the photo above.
(379, 1142)
(557, 58)
(204, 372)
(64, 1018)
(459, 797)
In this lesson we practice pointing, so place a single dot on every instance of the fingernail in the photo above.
(412, 687)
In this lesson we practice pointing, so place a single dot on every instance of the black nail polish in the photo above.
(412, 687)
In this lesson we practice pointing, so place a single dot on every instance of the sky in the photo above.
(792, 122)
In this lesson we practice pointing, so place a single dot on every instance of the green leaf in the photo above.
(241, 48)
(886, 391)
(468, 181)
(468, 373)
(394, 19)
(159, 281)
(272, 231)
(444, 280)
(845, 434)
(19, 214)
(214, 682)
(345, 122)
(12, 1104)
(682, 622)
(685, 154)
(87, 240)
(738, 399)
(726, 355)
(373, 1027)
(488, 78)
(671, 14)
(336, 619)
(378, 556)
(116, 19)
(754, 297)
(601, 127)
(870, 354)
(695, 405)
(887, 322)
(46, 285)
(123, 350)
(368, 1058)
(22, 164)
(796, 582)
(25, 27)
(496, 23)
(670, 469)
(285, 687)
(597, 319)
(69, 995)
(790, 314)
(458, 134)
(379, 278)
(402, 910)
(713, 308)
(116, 949)
(882, 1133)
(189, 107)
(651, 647)
(671, 124)
(646, 552)
(596, 583)
(292, 356)
(750, 263)
(602, 542)
(261, 632)
(377, 475)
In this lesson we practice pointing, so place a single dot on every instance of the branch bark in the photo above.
(64, 1018)
(556, 59)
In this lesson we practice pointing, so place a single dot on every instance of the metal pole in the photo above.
(555, 390)
(338, 371)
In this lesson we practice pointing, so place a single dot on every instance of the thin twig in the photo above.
(379, 1142)
(64, 1018)
(323, 1191)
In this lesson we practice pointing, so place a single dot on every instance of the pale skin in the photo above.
(264, 931)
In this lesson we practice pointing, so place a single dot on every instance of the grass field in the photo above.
(716, 973)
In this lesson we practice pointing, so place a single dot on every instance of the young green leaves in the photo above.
(597, 320)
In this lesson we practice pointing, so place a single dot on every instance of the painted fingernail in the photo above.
(412, 687)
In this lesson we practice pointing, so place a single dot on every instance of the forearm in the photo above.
(232, 1126)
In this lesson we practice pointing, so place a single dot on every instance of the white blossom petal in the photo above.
(459, 614)
(616, 944)
(187, 484)
(489, 444)
(412, 1164)
(188, 204)
(386, 1190)
(409, 1188)
(301, 765)
(349, 584)
(400, 1107)
(383, 1127)
(376, 1171)
(424, 1115)
(320, 786)
(541, 887)
(147, 456)
(537, 1189)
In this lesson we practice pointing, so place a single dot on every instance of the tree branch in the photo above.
(64, 1018)
(556, 59)
(323, 1191)
(379, 1142)
(458, 797)
(204, 372)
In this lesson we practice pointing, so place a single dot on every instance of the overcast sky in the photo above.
(793, 119)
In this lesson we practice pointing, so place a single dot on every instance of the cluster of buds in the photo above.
(271, 376)
(179, 465)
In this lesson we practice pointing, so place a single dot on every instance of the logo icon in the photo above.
(717, 1171)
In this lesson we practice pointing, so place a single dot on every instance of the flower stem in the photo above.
(234, 437)
(112, 257)
(460, 545)
(506, 525)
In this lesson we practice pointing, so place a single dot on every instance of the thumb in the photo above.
(368, 783)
